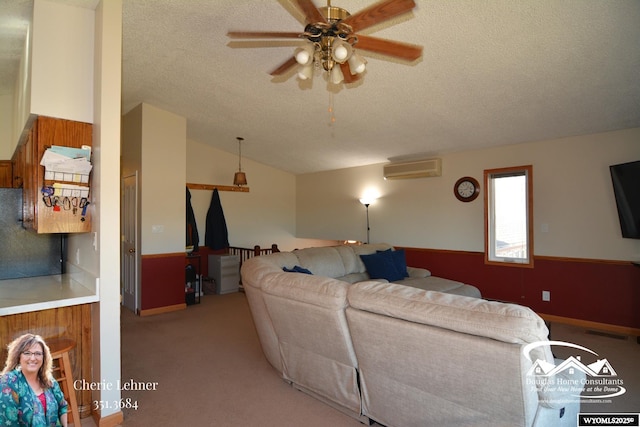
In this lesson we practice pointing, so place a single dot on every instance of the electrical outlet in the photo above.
(546, 296)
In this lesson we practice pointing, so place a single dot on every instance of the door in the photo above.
(130, 259)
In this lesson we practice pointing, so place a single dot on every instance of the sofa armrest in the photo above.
(418, 272)
(561, 389)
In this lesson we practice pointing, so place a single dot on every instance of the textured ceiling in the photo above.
(493, 72)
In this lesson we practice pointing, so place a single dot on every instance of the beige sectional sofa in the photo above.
(401, 354)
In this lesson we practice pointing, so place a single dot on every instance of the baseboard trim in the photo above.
(112, 420)
(161, 310)
(623, 330)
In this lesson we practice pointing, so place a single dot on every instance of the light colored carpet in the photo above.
(622, 352)
(211, 371)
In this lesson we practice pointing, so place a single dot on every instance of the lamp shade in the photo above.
(306, 71)
(240, 178)
(304, 55)
(336, 75)
(356, 64)
(367, 200)
(341, 51)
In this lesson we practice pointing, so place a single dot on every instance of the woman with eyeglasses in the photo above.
(29, 395)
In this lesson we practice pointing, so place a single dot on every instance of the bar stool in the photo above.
(63, 373)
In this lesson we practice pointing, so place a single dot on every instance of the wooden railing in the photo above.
(246, 253)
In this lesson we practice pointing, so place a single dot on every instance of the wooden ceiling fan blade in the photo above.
(407, 51)
(378, 12)
(284, 67)
(346, 72)
(311, 12)
(263, 34)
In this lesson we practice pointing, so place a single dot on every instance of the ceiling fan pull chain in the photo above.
(332, 116)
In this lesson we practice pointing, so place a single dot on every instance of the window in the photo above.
(509, 216)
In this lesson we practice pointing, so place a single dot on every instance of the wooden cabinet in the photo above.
(6, 174)
(17, 162)
(40, 213)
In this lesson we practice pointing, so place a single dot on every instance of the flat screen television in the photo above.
(626, 187)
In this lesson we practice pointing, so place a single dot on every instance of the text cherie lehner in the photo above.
(120, 385)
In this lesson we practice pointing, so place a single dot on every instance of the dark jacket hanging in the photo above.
(216, 235)
(193, 238)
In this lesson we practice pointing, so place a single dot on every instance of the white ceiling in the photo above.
(493, 72)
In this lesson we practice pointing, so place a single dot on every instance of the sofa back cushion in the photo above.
(322, 261)
(368, 250)
(254, 269)
(505, 322)
(429, 358)
(308, 315)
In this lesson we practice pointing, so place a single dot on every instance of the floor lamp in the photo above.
(366, 202)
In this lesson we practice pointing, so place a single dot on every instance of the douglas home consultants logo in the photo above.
(593, 381)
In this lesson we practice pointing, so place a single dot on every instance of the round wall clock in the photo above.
(466, 189)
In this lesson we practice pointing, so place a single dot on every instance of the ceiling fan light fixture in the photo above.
(306, 71)
(341, 51)
(304, 55)
(336, 76)
(357, 64)
(332, 35)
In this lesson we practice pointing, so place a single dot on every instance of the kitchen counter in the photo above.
(45, 292)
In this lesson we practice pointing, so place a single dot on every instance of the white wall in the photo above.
(163, 172)
(7, 145)
(573, 198)
(263, 216)
(62, 62)
(106, 186)
(22, 92)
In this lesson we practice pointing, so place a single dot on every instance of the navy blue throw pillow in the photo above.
(297, 269)
(381, 266)
(399, 260)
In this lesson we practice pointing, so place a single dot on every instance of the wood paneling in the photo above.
(29, 174)
(6, 174)
(72, 322)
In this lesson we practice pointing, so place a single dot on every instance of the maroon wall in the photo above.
(162, 281)
(163, 277)
(593, 290)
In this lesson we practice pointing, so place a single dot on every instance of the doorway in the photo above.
(130, 241)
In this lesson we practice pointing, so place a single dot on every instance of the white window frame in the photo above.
(490, 255)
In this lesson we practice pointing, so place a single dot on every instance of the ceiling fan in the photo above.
(332, 37)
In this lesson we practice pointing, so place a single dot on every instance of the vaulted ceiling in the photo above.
(492, 72)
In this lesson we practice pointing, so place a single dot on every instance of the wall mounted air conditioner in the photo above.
(414, 169)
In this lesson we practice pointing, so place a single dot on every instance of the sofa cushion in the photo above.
(440, 284)
(367, 249)
(418, 272)
(322, 261)
(505, 322)
(381, 266)
(354, 277)
(350, 260)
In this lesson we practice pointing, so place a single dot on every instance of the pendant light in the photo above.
(240, 178)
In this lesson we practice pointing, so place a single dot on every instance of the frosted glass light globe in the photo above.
(302, 57)
(340, 53)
